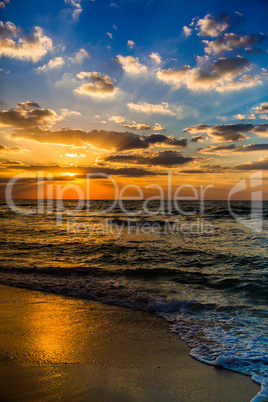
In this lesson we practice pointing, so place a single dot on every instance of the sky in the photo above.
(134, 89)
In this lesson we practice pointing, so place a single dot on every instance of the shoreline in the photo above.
(53, 346)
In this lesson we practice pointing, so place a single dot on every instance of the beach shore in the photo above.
(54, 347)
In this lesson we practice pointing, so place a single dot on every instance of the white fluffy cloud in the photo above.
(99, 85)
(65, 113)
(162, 108)
(223, 75)
(174, 77)
(130, 44)
(79, 56)
(28, 114)
(131, 65)
(230, 41)
(156, 58)
(187, 31)
(77, 8)
(57, 62)
(142, 126)
(212, 25)
(15, 45)
(246, 81)
(262, 108)
(117, 119)
(3, 3)
(240, 116)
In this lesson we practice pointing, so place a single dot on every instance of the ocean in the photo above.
(203, 271)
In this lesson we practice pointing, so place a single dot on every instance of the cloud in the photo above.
(77, 8)
(230, 67)
(218, 77)
(81, 171)
(9, 30)
(28, 114)
(230, 41)
(206, 169)
(3, 3)
(247, 81)
(163, 140)
(229, 132)
(131, 44)
(131, 65)
(79, 56)
(240, 116)
(212, 25)
(197, 139)
(99, 138)
(68, 113)
(223, 118)
(4, 148)
(14, 44)
(174, 77)
(187, 31)
(75, 155)
(109, 34)
(141, 126)
(109, 140)
(232, 148)
(202, 59)
(162, 158)
(261, 164)
(11, 163)
(99, 86)
(57, 62)
(261, 130)
(225, 132)
(263, 108)
(117, 119)
(67, 82)
(156, 58)
(150, 108)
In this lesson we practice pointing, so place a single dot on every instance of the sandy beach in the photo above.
(53, 347)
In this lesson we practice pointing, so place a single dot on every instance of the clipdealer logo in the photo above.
(169, 198)
(255, 220)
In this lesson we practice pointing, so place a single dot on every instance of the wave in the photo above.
(252, 285)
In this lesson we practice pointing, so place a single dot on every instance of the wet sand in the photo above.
(54, 347)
